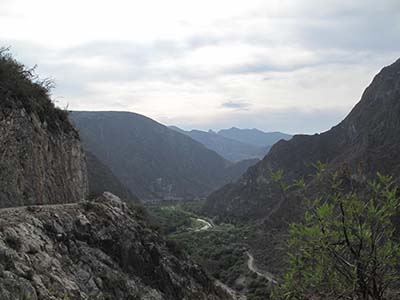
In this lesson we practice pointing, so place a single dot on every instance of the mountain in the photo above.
(365, 142)
(42, 160)
(229, 149)
(102, 179)
(254, 136)
(152, 160)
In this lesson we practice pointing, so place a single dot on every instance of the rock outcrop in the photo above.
(93, 250)
(41, 158)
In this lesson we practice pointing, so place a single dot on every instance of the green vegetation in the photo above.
(173, 219)
(221, 250)
(258, 288)
(21, 88)
(346, 247)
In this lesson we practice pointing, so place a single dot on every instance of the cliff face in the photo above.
(38, 167)
(41, 158)
(93, 250)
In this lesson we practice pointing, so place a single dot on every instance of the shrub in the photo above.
(345, 248)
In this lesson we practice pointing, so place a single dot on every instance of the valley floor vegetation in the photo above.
(220, 250)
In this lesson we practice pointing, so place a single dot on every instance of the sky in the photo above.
(296, 66)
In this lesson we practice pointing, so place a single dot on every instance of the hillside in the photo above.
(365, 142)
(153, 161)
(228, 148)
(254, 136)
(42, 160)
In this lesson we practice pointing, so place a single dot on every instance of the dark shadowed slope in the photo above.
(229, 149)
(368, 140)
(152, 160)
(102, 179)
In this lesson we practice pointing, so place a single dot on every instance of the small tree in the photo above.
(345, 248)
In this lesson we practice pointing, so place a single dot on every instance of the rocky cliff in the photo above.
(41, 158)
(93, 250)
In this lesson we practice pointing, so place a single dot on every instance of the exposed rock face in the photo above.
(93, 250)
(39, 166)
(367, 141)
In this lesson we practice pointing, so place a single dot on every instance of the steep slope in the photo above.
(93, 250)
(41, 159)
(254, 136)
(236, 170)
(367, 141)
(102, 179)
(228, 148)
(150, 159)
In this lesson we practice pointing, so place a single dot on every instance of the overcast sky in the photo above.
(294, 66)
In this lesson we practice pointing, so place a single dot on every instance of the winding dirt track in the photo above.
(207, 225)
(37, 207)
(252, 267)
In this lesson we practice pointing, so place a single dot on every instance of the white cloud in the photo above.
(182, 61)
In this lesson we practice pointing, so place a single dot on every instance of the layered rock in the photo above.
(93, 250)
(38, 166)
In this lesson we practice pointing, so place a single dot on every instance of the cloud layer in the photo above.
(291, 65)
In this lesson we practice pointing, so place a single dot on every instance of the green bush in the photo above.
(346, 247)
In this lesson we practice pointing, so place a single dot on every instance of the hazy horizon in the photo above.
(289, 66)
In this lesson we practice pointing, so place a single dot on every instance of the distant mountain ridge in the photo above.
(236, 144)
(152, 160)
(254, 136)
